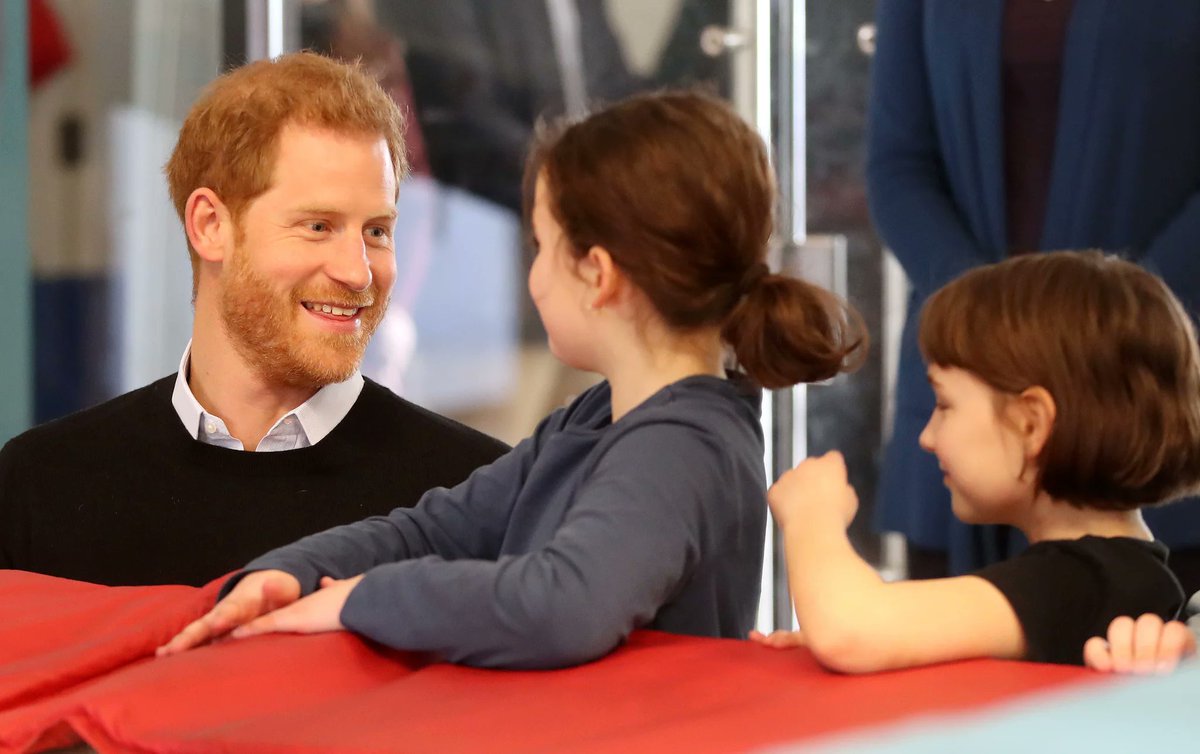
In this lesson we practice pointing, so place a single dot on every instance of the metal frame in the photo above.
(769, 90)
(272, 28)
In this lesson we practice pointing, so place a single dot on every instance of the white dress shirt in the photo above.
(305, 425)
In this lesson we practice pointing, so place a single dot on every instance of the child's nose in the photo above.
(926, 438)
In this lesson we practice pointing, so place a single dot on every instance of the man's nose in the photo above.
(348, 263)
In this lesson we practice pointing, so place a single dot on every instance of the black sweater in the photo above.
(121, 494)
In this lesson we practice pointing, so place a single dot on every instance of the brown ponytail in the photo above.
(680, 191)
(786, 330)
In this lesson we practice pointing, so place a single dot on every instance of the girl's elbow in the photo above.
(559, 637)
(532, 651)
(553, 651)
(845, 649)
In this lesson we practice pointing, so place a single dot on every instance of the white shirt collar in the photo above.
(317, 416)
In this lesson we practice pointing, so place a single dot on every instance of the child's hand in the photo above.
(1143, 647)
(816, 485)
(779, 639)
(256, 594)
(317, 613)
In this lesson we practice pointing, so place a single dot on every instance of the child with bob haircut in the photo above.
(642, 503)
(1068, 397)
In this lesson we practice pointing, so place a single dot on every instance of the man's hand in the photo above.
(317, 613)
(257, 594)
(1142, 647)
(779, 639)
(816, 485)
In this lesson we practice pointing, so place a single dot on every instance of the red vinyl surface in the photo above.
(334, 692)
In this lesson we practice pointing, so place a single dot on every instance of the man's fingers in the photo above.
(1096, 655)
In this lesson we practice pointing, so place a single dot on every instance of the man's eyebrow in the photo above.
(388, 214)
(314, 210)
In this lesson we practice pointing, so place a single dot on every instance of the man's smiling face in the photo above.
(314, 263)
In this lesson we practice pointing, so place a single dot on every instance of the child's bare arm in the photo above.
(855, 622)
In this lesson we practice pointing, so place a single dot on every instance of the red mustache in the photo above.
(344, 298)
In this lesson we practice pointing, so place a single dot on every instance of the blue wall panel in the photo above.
(15, 342)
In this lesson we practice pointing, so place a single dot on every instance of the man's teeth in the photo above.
(329, 309)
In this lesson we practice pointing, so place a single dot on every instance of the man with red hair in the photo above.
(285, 178)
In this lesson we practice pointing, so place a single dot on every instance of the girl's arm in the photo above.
(629, 542)
(468, 520)
(279, 590)
(853, 621)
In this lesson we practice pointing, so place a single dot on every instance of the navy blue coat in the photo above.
(1125, 178)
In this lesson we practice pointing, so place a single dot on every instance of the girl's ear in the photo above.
(208, 224)
(603, 277)
(1033, 412)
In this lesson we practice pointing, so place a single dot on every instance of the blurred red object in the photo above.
(49, 49)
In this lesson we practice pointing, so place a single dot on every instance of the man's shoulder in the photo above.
(389, 413)
(135, 410)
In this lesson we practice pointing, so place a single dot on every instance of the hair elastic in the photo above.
(753, 277)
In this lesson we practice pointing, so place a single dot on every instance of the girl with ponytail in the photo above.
(642, 503)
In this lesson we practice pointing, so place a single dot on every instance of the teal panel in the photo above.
(16, 352)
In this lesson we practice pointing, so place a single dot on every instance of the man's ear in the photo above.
(603, 277)
(209, 225)
(1033, 413)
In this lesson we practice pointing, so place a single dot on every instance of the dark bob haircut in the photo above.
(1114, 348)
